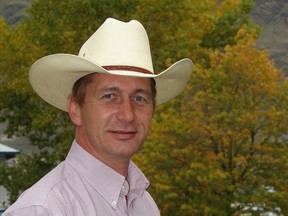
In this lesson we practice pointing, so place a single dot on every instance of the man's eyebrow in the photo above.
(114, 88)
(148, 92)
(107, 88)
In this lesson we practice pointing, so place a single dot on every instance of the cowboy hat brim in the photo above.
(53, 77)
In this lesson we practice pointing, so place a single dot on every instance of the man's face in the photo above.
(115, 118)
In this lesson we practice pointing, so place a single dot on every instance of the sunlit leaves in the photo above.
(223, 145)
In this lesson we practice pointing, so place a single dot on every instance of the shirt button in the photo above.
(114, 203)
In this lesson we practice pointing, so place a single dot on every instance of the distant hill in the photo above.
(272, 16)
(14, 10)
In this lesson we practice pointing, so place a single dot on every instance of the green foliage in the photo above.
(217, 149)
(234, 16)
(56, 24)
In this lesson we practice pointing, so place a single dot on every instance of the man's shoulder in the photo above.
(45, 190)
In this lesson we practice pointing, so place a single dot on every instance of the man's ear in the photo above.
(73, 109)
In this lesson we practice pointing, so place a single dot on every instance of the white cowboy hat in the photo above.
(116, 48)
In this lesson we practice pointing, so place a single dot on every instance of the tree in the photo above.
(25, 114)
(221, 151)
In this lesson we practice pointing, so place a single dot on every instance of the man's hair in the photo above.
(79, 89)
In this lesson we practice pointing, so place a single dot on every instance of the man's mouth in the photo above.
(123, 135)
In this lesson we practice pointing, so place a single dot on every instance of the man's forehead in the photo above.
(103, 78)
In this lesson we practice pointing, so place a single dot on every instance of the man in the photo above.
(109, 91)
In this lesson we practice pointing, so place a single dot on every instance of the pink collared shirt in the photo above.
(83, 186)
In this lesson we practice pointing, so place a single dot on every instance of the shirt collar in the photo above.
(106, 181)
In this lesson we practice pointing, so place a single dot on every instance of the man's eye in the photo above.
(108, 96)
(139, 98)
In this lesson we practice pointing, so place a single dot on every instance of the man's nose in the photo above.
(126, 111)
